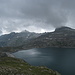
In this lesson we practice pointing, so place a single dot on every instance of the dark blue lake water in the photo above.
(59, 59)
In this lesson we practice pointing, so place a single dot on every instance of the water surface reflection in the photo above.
(60, 59)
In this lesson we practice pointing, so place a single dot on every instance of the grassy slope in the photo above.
(13, 66)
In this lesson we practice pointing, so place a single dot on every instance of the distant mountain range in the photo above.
(17, 39)
(61, 37)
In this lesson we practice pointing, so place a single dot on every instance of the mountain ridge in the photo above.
(61, 37)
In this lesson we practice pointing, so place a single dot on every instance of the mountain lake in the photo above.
(59, 59)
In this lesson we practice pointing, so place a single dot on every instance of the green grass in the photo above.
(13, 66)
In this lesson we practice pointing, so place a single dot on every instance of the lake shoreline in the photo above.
(53, 58)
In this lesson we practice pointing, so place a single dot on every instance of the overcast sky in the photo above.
(36, 15)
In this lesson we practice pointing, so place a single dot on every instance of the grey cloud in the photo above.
(47, 11)
(32, 14)
(0, 32)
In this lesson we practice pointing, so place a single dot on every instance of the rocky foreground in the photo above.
(13, 66)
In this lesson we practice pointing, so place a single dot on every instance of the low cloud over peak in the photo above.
(36, 15)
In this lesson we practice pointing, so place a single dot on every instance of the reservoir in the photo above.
(59, 59)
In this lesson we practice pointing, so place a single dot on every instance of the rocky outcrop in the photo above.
(5, 54)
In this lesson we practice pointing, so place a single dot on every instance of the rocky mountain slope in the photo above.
(17, 39)
(61, 37)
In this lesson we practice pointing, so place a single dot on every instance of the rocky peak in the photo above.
(25, 31)
(64, 28)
